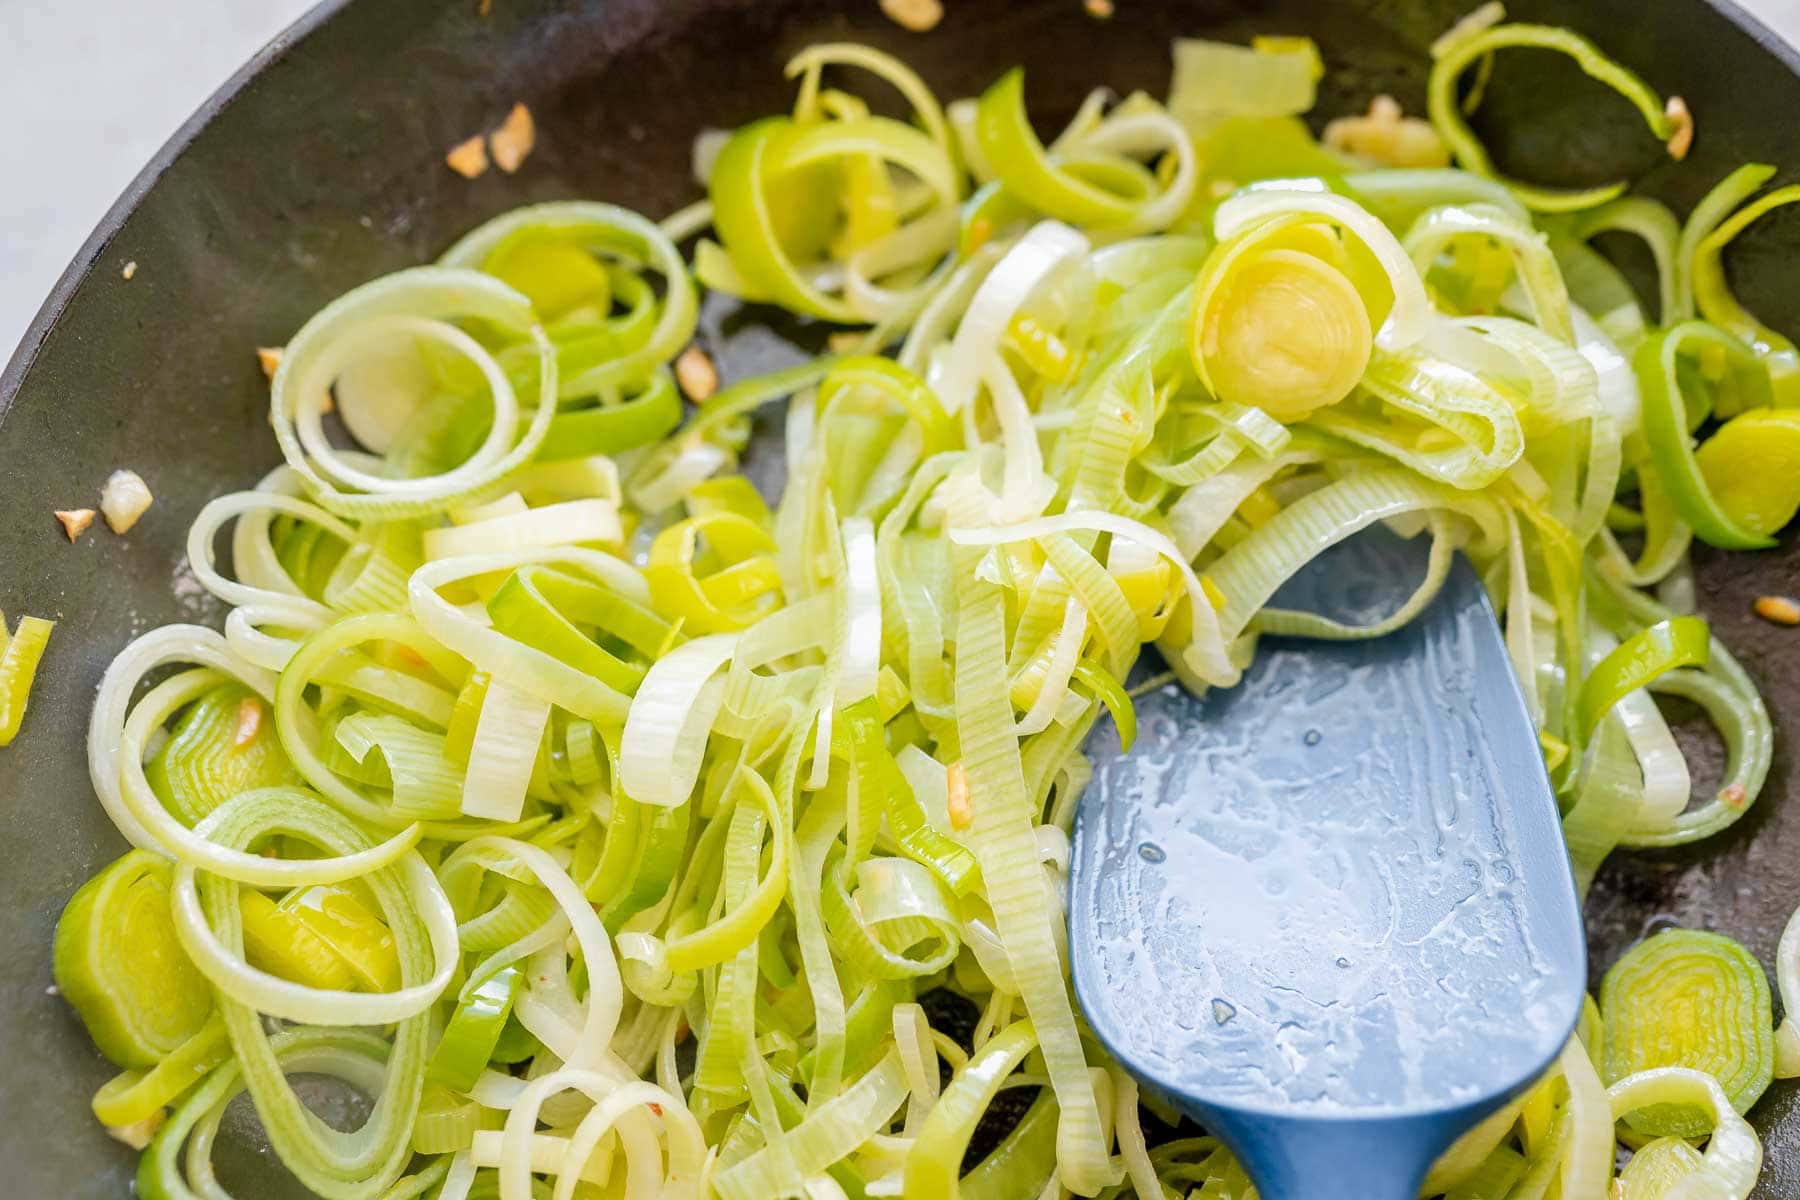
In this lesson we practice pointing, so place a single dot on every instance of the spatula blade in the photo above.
(1334, 900)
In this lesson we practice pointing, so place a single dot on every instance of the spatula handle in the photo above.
(1368, 1158)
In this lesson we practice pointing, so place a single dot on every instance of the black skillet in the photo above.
(321, 164)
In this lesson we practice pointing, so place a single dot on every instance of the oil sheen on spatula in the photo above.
(1328, 913)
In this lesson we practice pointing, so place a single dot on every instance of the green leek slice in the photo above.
(19, 655)
(1687, 998)
(225, 743)
(118, 961)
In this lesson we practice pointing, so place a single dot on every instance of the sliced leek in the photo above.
(1685, 998)
(608, 818)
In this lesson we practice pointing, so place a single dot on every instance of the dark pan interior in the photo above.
(322, 166)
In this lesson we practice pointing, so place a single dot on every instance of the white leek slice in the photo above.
(573, 522)
(1207, 651)
(1733, 1155)
(1411, 315)
(671, 719)
(1034, 259)
(862, 593)
(1617, 383)
(507, 736)
(1214, 79)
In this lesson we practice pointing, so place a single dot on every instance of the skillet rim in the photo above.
(24, 355)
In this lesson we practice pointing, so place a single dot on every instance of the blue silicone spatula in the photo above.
(1328, 913)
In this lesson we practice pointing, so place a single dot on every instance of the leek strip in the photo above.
(568, 523)
(1610, 796)
(344, 1166)
(641, 420)
(348, 1054)
(408, 303)
(919, 835)
(1657, 1167)
(221, 745)
(611, 230)
(615, 1102)
(1211, 79)
(862, 600)
(1478, 423)
(1032, 263)
(724, 1062)
(827, 1135)
(294, 606)
(1667, 420)
(727, 936)
(473, 1029)
(1399, 196)
(884, 66)
(600, 1015)
(425, 785)
(1020, 1167)
(1019, 160)
(1007, 851)
(1291, 623)
(1733, 1155)
(1251, 572)
(526, 669)
(1437, 229)
(1470, 1150)
(1713, 297)
(935, 1160)
(115, 749)
(741, 584)
(1452, 60)
(667, 729)
(508, 735)
(137, 1095)
(1205, 653)
(542, 608)
(300, 734)
(1651, 221)
(1587, 1157)
(411, 891)
(1787, 980)
(19, 656)
(1676, 642)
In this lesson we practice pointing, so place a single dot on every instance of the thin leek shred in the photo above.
(608, 823)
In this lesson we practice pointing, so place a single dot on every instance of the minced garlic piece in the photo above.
(1682, 139)
(269, 358)
(961, 805)
(695, 372)
(75, 521)
(130, 268)
(1100, 10)
(249, 720)
(1778, 609)
(469, 158)
(514, 139)
(139, 1134)
(1387, 136)
(124, 499)
(916, 15)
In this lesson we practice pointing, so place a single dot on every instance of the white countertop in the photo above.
(109, 80)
